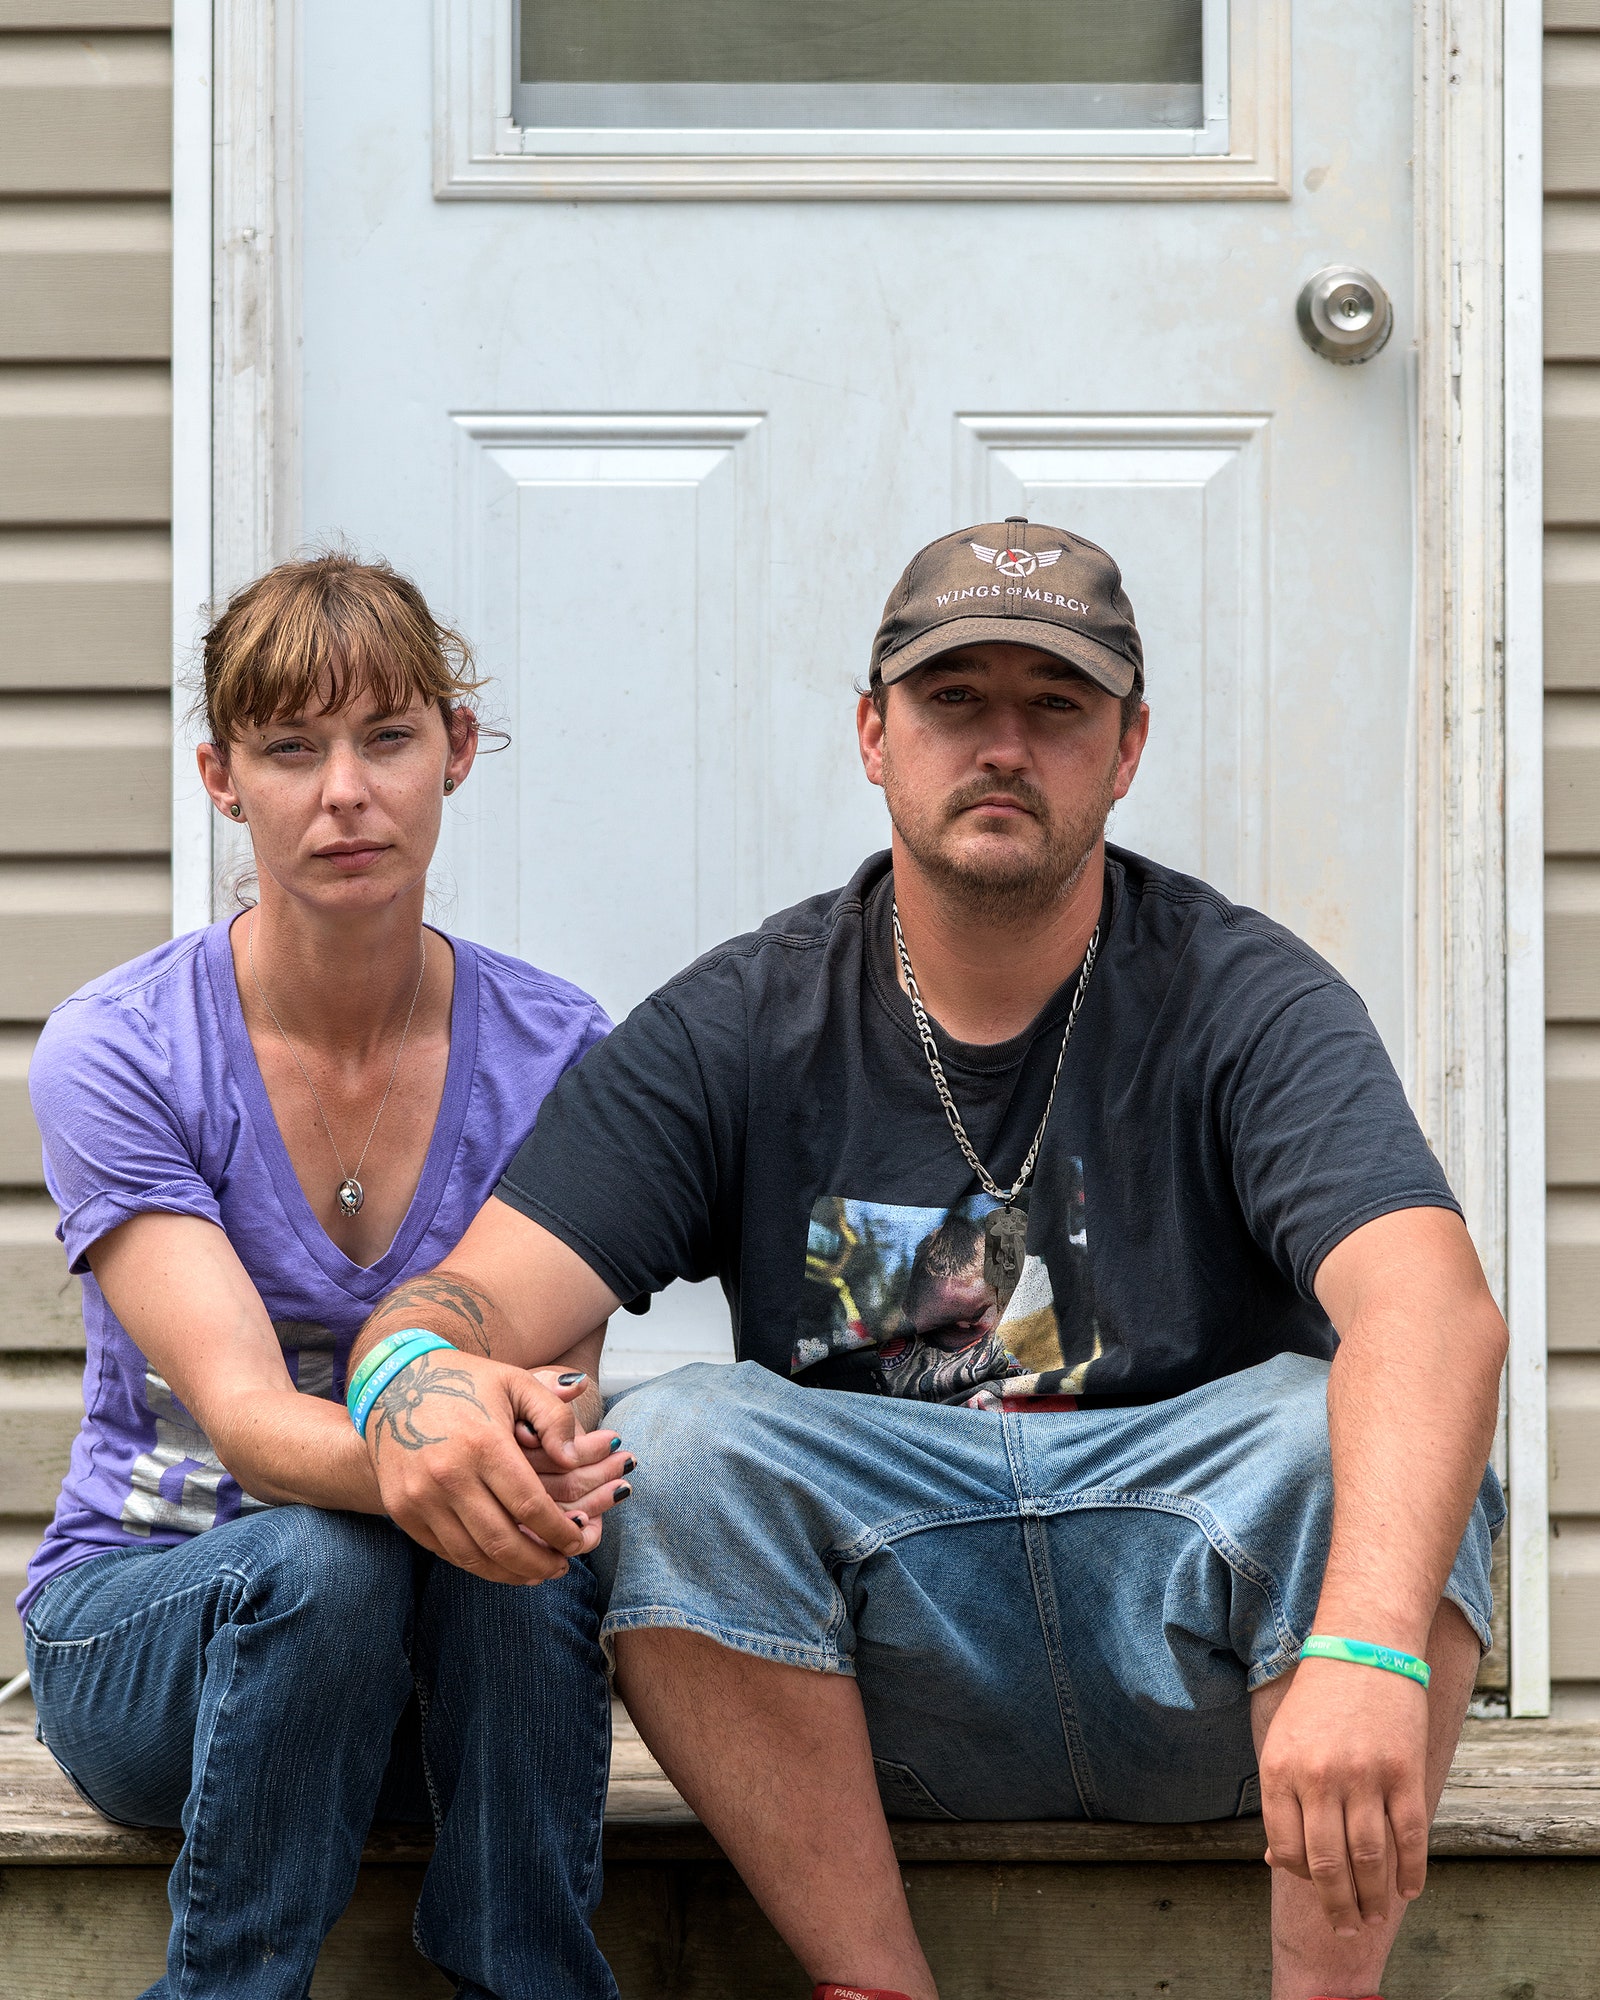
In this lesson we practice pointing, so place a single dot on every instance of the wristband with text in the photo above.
(1358, 1653)
(393, 1364)
(391, 1343)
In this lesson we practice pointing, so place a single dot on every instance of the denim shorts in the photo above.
(1056, 1615)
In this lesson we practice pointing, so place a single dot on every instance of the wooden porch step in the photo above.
(1177, 1912)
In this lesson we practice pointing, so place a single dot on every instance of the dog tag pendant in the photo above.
(1005, 1244)
(350, 1196)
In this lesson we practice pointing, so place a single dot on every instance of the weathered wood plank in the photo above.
(82, 775)
(1573, 1238)
(85, 444)
(80, 116)
(1483, 1931)
(85, 609)
(65, 922)
(1572, 610)
(89, 281)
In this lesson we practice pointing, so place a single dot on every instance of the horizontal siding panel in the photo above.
(87, 281)
(47, 14)
(1572, 1106)
(85, 444)
(85, 117)
(1572, 281)
(1572, 941)
(1572, 115)
(41, 1407)
(1572, 611)
(1575, 1601)
(43, 1311)
(67, 922)
(1571, 446)
(1573, 1251)
(1574, 1390)
(85, 608)
(85, 775)
(18, 1540)
(1572, 774)
(20, 1164)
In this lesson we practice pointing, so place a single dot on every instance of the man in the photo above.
(1196, 1182)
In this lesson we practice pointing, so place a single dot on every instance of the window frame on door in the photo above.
(1241, 150)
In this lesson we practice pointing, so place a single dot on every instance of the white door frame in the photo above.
(1478, 978)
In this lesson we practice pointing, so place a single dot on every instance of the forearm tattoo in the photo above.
(396, 1412)
(447, 1306)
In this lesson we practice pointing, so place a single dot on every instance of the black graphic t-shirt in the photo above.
(1226, 1114)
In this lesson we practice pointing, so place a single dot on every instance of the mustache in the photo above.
(1018, 791)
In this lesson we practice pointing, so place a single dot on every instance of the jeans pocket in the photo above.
(904, 1794)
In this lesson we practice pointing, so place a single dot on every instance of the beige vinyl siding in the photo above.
(85, 586)
(1572, 834)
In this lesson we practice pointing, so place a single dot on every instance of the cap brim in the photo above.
(1109, 670)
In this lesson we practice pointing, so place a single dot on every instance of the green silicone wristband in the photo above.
(391, 1343)
(1359, 1654)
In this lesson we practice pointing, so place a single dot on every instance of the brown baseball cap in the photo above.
(1015, 581)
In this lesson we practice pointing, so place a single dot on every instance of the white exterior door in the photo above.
(654, 360)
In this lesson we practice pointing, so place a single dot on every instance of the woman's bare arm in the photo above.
(177, 1285)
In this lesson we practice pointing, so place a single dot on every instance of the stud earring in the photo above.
(236, 811)
(449, 784)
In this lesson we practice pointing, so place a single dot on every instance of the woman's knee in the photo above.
(345, 1574)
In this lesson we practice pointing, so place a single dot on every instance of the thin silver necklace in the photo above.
(930, 1048)
(349, 1194)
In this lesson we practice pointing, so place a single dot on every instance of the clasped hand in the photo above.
(487, 1466)
(1343, 1789)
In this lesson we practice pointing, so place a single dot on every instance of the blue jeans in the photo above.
(274, 1685)
(1051, 1616)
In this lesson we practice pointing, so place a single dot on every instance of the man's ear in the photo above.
(869, 737)
(1130, 750)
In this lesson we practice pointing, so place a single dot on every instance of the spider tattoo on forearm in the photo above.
(397, 1408)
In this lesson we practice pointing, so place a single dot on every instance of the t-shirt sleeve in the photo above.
(1321, 1137)
(101, 1087)
(630, 1155)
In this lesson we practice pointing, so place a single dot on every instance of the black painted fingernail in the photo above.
(622, 1492)
(578, 1520)
(630, 1465)
(567, 1381)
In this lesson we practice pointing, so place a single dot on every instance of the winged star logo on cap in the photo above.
(1015, 562)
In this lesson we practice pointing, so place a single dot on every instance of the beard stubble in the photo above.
(1017, 880)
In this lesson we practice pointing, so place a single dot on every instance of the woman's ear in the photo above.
(218, 781)
(463, 728)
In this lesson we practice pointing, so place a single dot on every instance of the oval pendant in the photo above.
(350, 1196)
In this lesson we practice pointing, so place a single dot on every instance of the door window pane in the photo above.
(843, 64)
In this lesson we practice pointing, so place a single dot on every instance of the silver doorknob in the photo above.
(1344, 314)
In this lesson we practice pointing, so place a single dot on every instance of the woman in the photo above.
(254, 1133)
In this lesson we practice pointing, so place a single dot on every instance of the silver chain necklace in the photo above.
(349, 1194)
(1005, 1232)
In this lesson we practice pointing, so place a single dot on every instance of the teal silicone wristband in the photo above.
(1359, 1654)
(381, 1376)
(391, 1343)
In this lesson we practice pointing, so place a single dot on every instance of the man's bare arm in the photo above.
(1412, 1400)
(475, 1456)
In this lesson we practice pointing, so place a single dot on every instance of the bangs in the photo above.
(319, 635)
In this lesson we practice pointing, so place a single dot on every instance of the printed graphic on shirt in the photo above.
(957, 1305)
(178, 1484)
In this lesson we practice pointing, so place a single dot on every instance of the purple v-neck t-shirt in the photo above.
(149, 1097)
